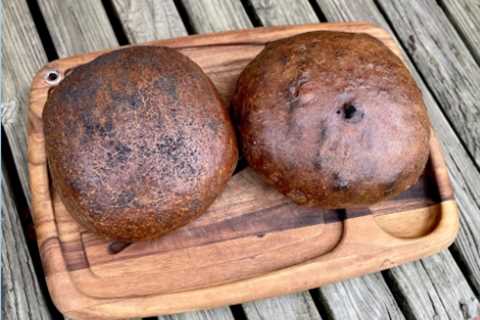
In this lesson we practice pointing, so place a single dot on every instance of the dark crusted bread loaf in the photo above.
(138, 142)
(332, 119)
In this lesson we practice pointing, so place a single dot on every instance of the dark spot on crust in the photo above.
(106, 129)
(195, 205)
(317, 161)
(88, 123)
(122, 152)
(351, 113)
(178, 150)
(260, 235)
(339, 183)
(167, 84)
(322, 135)
(92, 127)
(135, 101)
(125, 198)
(171, 146)
(144, 151)
(76, 185)
(213, 125)
(118, 155)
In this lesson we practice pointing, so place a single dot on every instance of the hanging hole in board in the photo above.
(52, 77)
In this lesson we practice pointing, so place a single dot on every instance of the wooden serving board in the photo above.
(252, 243)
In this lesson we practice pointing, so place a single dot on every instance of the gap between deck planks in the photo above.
(21, 297)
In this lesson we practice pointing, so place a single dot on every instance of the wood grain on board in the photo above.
(241, 234)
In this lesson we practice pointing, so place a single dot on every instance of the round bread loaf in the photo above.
(138, 142)
(332, 119)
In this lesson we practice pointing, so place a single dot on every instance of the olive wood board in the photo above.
(253, 242)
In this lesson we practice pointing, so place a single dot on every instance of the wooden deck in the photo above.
(441, 44)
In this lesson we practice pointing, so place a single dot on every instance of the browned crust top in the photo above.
(138, 142)
(332, 119)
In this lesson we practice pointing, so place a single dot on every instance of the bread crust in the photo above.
(332, 119)
(138, 142)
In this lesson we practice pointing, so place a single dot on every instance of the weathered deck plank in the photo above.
(366, 297)
(77, 26)
(146, 20)
(22, 298)
(465, 15)
(216, 15)
(299, 306)
(463, 173)
(443, 293)
(444, 61)
(212, 314)
(273, 13)
(23, 56)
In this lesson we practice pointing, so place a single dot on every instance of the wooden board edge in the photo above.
(264, 286)
(131, 307)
